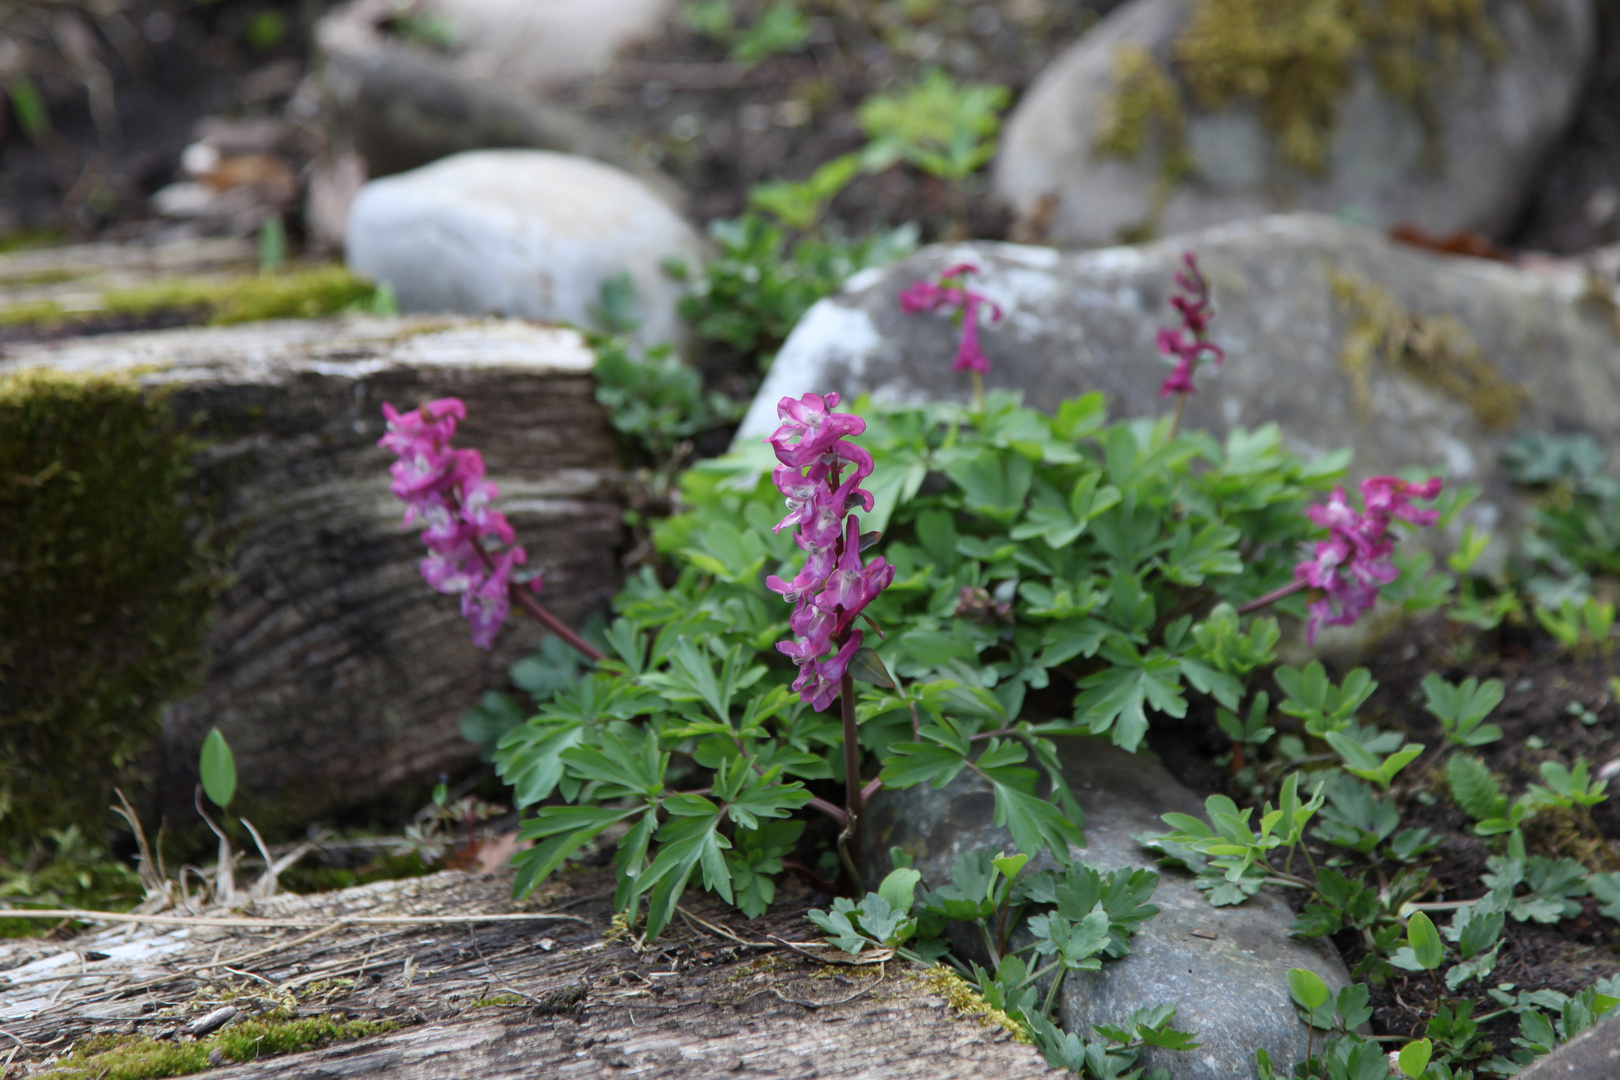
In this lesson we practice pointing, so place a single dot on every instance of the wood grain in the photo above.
(334, 672)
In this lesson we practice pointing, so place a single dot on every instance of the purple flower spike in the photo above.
(445, 489)
(1352, 564)
(951, 292)
(1189, 346)
(834, 586)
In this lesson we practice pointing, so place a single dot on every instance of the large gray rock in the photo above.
(1594, 1054)
(1492, 123)
(520, 233)
(1086, 321)
(540, 44)
(399, 106)
(1226, 969)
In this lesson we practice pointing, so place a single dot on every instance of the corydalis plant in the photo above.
(472, 550)
(834, 586)
(1190, 345)
(951, 292)
(1353, 563)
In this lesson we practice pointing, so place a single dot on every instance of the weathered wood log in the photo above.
(514, 1000)
(333, 670)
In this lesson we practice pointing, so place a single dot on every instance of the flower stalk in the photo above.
(951, 292)
(1189, 345)
(820, 474)
(472, 549)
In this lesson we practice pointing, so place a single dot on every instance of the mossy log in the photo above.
(332, 669)
(509, 999)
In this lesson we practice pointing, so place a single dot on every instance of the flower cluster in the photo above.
(952, 292)
(820, 475)
(1353, 562)
(1189, 345)
(445, 488)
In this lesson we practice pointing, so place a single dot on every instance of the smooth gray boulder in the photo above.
(401, 108)
(1594, 1054)
(1467, 158)
(1087, 321)
(1226, 969)
(520, 233)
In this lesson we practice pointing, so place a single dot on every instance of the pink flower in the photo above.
(834, 586)
(1350, 566)
(1189, 346)
(445, 489)
(952, 292)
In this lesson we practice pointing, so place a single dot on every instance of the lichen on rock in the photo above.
(1437, 350)
(1295, 59)
(107, 572)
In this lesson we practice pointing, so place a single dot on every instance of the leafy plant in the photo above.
(1576, 526)
(946, 130)
(753, 292)
(1460, 709)
(780, 28)
(800, 205)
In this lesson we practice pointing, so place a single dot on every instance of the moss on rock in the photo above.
(1295, 59)
(125, 1057)
(107, 575)
(1436, 350)
(299, 294)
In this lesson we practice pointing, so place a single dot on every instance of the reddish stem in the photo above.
(525, 599)
(854, 801)
(832, 810)
(1272, 597)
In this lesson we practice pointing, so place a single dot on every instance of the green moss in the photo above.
(1295, 59)
(300, 294)
(968, 1001)
(1437, 350)
(499, 1001)
(134, 1058)
(1146, 105)
(107, 575)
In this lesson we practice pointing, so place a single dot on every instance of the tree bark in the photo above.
(334, 672)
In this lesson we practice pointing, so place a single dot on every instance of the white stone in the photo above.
(1494, 121)
(538, 44)
(1087, 321)
(524, 233)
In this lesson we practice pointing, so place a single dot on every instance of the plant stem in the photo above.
(849, 841)
(978, 392)
(1271, 597)
(1175, 420)
(525, 600)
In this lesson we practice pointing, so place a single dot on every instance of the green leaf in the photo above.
(1308, 989)
(218, 768)
(1117, 697)
(867, 667)
(1425, 941)
(899, 888)
(912, 763)
(994, 483)
(1035, 824)
(1475, 788)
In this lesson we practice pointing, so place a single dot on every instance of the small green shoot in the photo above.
(1460, 709)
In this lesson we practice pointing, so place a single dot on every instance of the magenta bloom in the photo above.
(952, 292)
(1190, 345)
(445, 489)
(1352, 564)
(834, 586)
